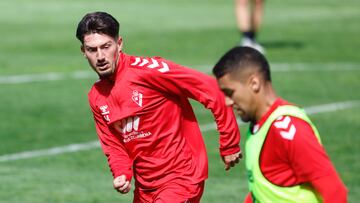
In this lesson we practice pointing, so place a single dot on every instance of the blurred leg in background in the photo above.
(249, 15)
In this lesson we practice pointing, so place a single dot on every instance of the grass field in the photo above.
(312, 47)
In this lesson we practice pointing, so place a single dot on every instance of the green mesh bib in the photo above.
(262, 190)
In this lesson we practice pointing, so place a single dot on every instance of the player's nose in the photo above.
(100, 55)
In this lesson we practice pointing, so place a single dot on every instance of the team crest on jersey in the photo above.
(105, 112)
(137, 97)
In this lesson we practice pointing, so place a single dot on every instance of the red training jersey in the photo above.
(292, 155)
(144, 120)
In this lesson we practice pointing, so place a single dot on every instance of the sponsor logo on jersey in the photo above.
(151, 63)
(129, 129)
(130, 124)
(137, 97)
(105, 112)
(250, 175)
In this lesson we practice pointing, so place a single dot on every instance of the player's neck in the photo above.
(266, 99)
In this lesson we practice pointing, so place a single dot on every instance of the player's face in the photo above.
(102, 52)
(239, 96)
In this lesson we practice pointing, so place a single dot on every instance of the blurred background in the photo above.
(48, 144)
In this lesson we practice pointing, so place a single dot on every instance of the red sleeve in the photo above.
(248, 198)
(181, 81)
(307, 156)
(117, 156)
(331, 189)
(308, 159)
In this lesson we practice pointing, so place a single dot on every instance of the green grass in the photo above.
(38, 37)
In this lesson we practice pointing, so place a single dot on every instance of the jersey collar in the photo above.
(278, 102)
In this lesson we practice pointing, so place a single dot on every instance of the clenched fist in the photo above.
(121, 184)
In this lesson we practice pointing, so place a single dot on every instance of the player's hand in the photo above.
(232, 159)
(121, 184)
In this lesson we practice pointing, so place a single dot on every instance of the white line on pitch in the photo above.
(17, 79)
(276, 67)
(299, 67)
(206, 127)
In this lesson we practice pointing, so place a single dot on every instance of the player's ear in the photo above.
(120, 43)
(82, 50)
(255, 83)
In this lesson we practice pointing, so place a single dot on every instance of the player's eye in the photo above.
(90, 49)
(106, 46)
(228, 92)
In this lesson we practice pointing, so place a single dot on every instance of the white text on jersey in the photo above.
(105, 112)
(129, 127)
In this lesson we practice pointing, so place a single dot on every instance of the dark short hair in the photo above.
(97, 22)
(241, 58)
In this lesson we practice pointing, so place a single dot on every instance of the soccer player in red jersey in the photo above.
(284, 157)
(144, 121)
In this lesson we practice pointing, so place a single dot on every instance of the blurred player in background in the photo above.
(285, 159)
(144, 121)
(249, 15)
